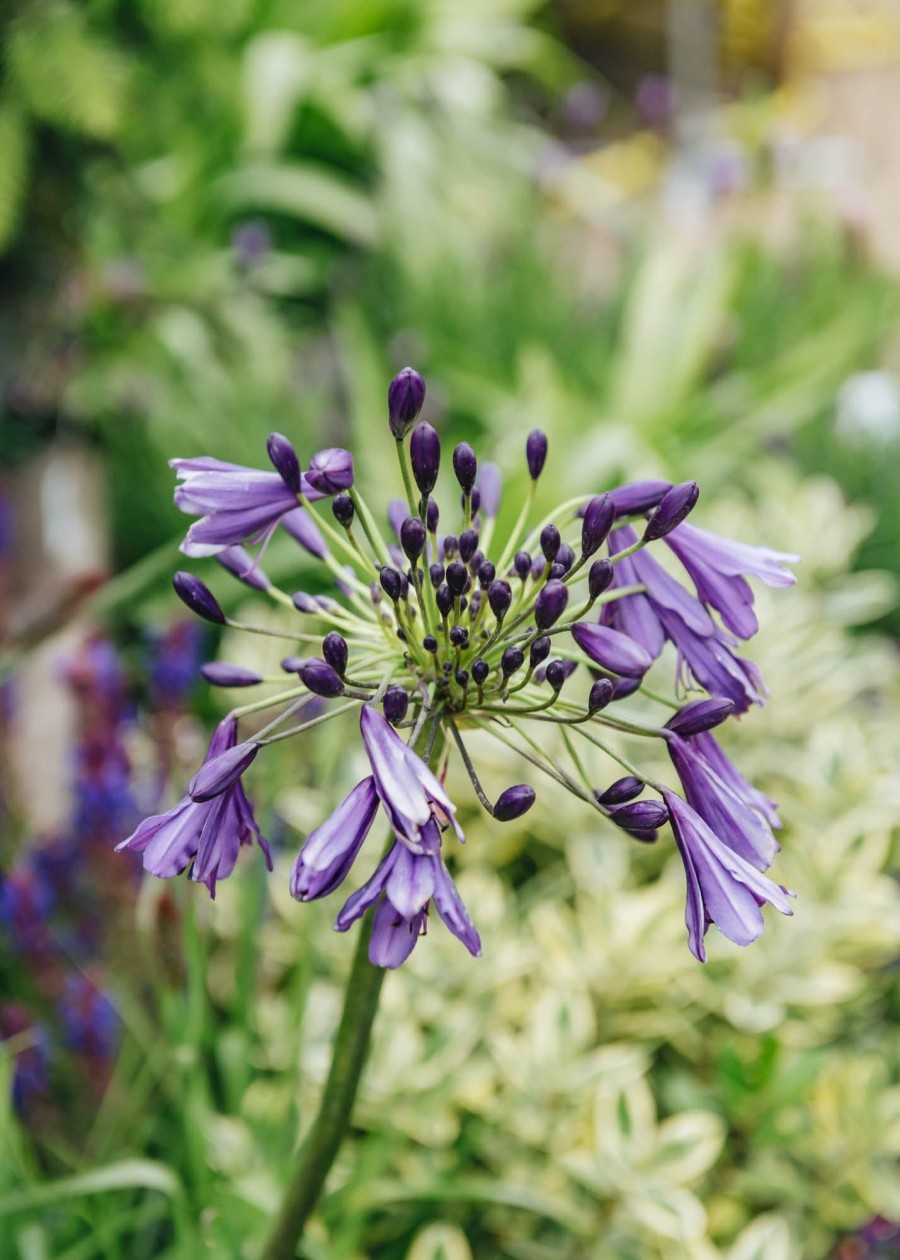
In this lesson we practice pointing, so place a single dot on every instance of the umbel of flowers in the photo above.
(436, 627)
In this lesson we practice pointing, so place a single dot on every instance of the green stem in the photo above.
(321, 1144)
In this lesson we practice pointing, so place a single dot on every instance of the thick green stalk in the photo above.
(321, 1144)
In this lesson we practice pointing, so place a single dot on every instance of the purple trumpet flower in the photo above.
(408, 882)
(330, 851)
(730, 816)
(706, 746)
(208, 832)
(717, 567)
(722, 887)
(668, 611)
(407, 789)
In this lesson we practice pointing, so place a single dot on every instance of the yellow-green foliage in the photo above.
(587, 1089)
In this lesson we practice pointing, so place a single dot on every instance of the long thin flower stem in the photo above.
(321, 1144)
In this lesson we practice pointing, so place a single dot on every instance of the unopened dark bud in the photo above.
(443, 597)
(674, 506)
(565, 556)
(459, 636)
(463, 603)
(511, 660)
(391, 583)
(556, 674)
(468, 544)
(476, 500)
(343, 509)
(522, 564)
(436, 573)
(499, 597)
(475, 602)
(599, 517)
(319, 677)
(550, 542)
(412, 537)
(457, 576)
(600, 575)
(480, 671)
(401, 634)
(432, 516)
(465, 465)
(622, 790)
(550, 604)
(600, 695)
(646, 836)
(462, 677)
(335, 651)
(557, 572)
(198, 597)
(640, 815)
(700, 715)
(284, 460)
(538, 565)
(451, 545)
(292, 664)
(487, 571)
(540, 650)
(221, 674)
(406, 394)
(514, 802)
(395, 704)
(625, 687)
(430, 643)
(536, 452)
(425, 457)
(222, 772)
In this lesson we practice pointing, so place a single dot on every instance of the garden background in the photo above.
(667, 235)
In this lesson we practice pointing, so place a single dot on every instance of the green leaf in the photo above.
(307, 191)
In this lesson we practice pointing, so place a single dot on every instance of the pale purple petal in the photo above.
(393, 936)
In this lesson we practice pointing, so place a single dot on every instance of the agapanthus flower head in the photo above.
(435, 628)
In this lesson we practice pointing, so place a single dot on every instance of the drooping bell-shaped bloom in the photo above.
(722, 887)
(406, 787)
(719, 568)
(330, 851)
(706, 745)
(209, 833)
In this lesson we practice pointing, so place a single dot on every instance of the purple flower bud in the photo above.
(436, 573)
(304, 530)
(499, 597)
(198, 597)
(330, 471)
(550, 541)
(284, 460)
(625, 687)
(465, 465)
(600, 575)
(292, 664)
(556, 674)
(468, 544)
(612, 650)
(540, 650)
(557, 572)
(639, 496)
(490, 483)
(406, 394)
(457, 577)
(395, 704)
(599, 517)
(335, 651)
(443, 597)
(487, 571)
(640, 815)
(221, 674)
(565, 556)
(480, 671)
(432, 516)
(413, 536)
(451, 545)
(425, 457)
(536, 452)
(514, 802)
(700, 715)
(239, 562)
(550, 604)
(645, 836)
(511, 660)
(522, 564)
(218, 774)
(674, 506)
(320, 678)
(343, 509)
(622, 790)
(462, 677)
(305, 603)
(538, 565)
(600, 695)
(391, 583)
(459, 636)
(430, 643)
(476, 500)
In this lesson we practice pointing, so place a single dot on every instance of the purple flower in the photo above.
(208, 832)
(303, 529)
(238, 560)
(717, 567)
(490, 483)
(705, 744)
(722, 887)
(668, 611)
(331, 849)
(407, 789)
(612, 650)
(89, 1018)
(409, 880)
(330, 471)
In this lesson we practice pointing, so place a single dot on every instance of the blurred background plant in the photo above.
(220, 219)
